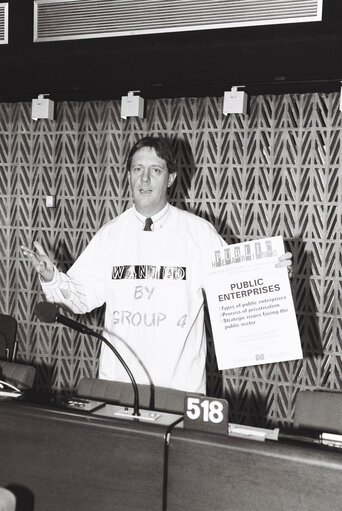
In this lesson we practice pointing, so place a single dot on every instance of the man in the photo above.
(151, 278)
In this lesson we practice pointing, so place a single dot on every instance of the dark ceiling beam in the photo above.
(272, 59)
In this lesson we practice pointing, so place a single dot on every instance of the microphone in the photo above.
(48, 313)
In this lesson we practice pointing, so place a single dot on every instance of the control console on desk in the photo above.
(66, 458)
(149, 416)
(101, 409)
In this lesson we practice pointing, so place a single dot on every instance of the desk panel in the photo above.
(62, 460)
(219, 473)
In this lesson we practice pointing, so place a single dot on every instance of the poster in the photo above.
(250, 305)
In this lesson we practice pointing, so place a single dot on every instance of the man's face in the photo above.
(149, 180)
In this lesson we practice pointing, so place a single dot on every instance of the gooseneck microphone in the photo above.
(48, 313)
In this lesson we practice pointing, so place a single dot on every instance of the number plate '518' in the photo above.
(206, 413)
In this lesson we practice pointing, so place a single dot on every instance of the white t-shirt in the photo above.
(152, 284)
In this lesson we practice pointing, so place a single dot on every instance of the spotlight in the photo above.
(235, 101)
(132, 106)
(42, 108)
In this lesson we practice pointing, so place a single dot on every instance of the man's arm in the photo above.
(58, 287)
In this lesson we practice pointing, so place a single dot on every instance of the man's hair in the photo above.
(162, 148)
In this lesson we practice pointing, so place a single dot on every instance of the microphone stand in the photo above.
(117, 354)
(49, 313)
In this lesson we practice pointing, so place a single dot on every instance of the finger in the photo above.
(283, 263)
(30, 254)
(36, 260)
(39, 248)
(285, 256)
(26, 251)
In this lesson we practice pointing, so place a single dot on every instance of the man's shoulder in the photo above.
(122, 217)
(192, 218)
(115, 223)
(196, 228)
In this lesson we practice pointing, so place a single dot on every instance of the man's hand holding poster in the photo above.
(250, 305)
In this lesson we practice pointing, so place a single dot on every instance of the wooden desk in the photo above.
(219, 473)
(55, 459)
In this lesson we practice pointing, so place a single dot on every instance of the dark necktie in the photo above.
(148, 223)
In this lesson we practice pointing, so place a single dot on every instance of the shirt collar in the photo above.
(158, 219)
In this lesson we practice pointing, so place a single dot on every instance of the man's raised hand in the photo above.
(285, 261)
(40, 261)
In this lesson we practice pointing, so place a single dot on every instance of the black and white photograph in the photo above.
(170, 255)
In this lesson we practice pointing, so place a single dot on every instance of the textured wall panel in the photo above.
(274, 172)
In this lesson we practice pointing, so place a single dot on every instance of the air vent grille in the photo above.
(3, 23)
(78, 19)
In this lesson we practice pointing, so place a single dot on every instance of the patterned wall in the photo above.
(276, 171)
